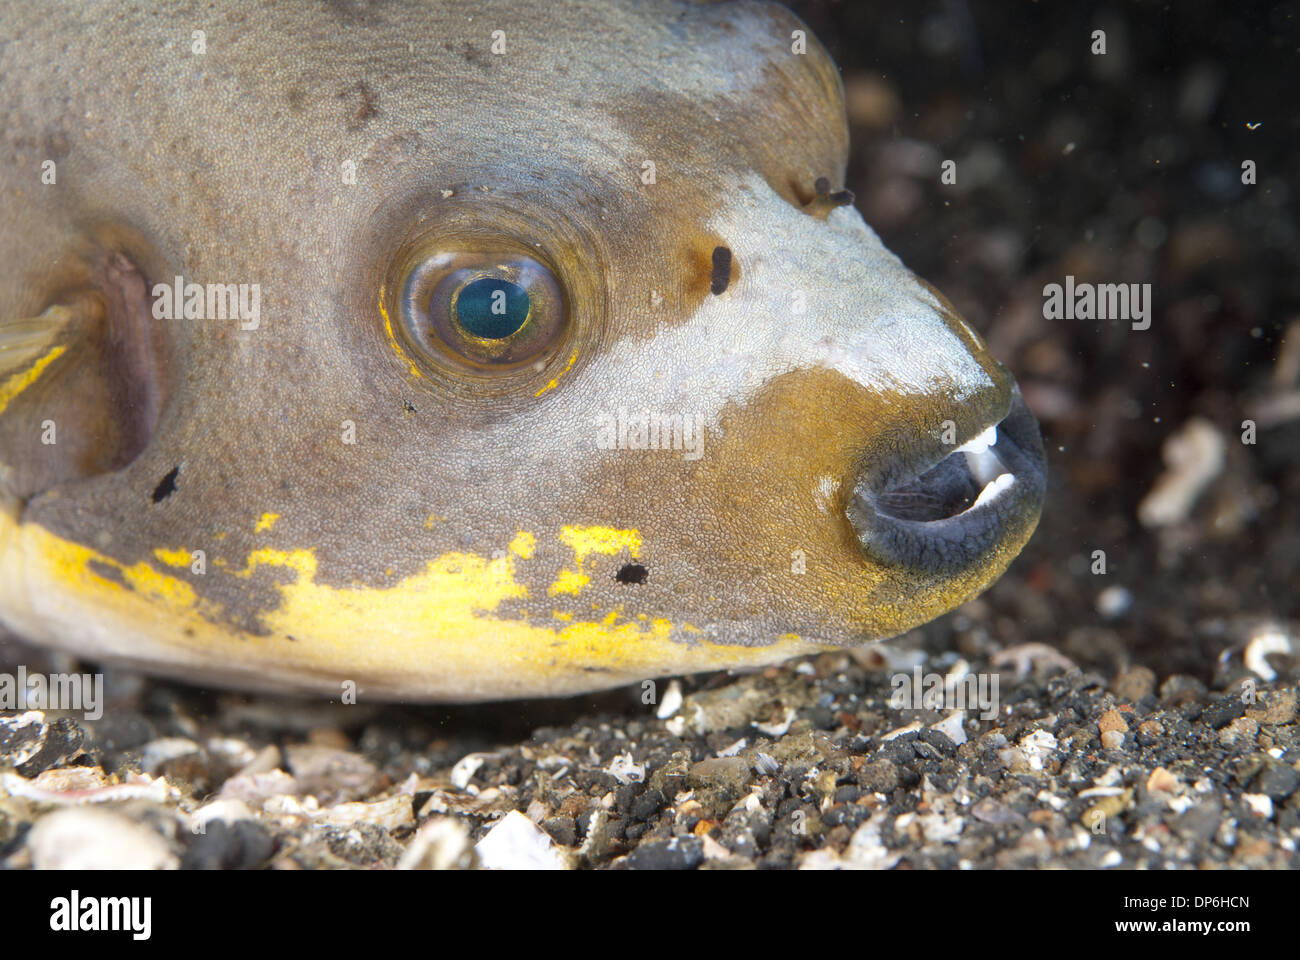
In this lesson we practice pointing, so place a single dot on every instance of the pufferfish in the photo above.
(471, 350)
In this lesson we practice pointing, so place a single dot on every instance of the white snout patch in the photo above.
(811, 293)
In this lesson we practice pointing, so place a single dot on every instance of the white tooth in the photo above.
(984, 467)
(982, 462)
(992, 489)
(981, 443)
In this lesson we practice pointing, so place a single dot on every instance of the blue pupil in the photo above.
(491, 308)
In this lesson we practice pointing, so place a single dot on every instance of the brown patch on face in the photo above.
(778, 479)
(360, 104)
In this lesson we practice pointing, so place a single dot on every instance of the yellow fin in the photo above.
(29, 345)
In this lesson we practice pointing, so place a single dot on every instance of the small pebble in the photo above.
(87, 838)
(516, 843)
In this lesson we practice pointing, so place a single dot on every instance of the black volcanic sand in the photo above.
(1148, 716)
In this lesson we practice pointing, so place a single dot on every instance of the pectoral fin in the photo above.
(79, 385)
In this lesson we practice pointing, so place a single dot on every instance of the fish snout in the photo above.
(944, 508)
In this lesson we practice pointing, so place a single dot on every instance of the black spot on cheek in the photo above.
(166, 486)
(721, 270)
(631, 573)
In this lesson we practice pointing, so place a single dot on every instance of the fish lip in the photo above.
(949, 544)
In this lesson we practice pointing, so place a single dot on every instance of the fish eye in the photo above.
(489, 312)
(490, 308)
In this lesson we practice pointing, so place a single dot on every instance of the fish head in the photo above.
(555, 360)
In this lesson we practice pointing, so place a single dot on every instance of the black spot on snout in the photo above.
(631, 573)
(166, 486)
(721, 270)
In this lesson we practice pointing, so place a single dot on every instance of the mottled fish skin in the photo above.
(468, 542)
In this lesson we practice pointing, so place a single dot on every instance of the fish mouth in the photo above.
(946, 510)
